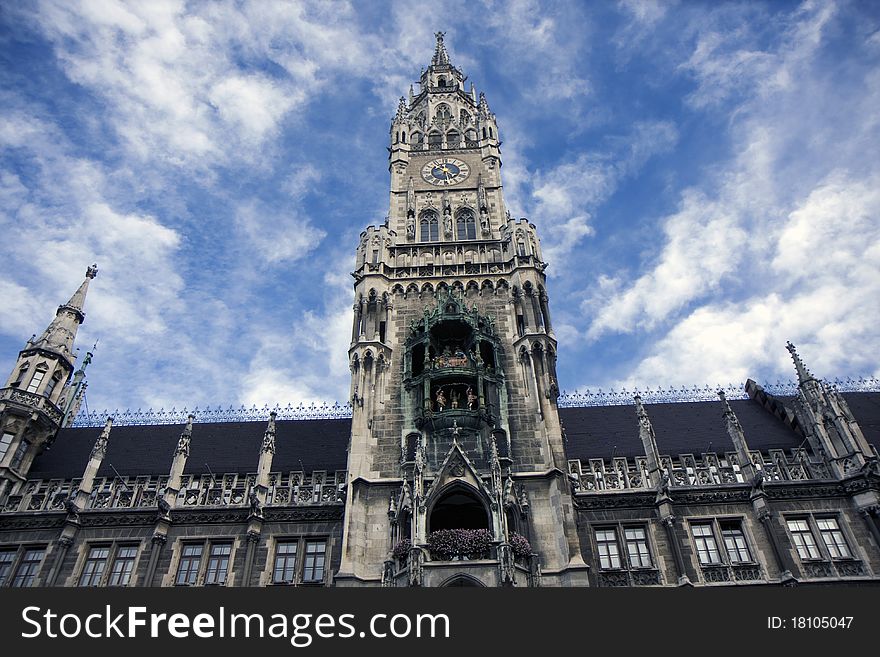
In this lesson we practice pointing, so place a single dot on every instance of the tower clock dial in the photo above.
(445, 171)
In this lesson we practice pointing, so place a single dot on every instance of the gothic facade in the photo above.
(456, 462)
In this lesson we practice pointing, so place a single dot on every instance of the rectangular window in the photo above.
(218, 563)
(735, 542)
(375, 257)
(803, 539)
(707, 546)
(7, 557)
(36, 380)
(94, 566)
(20, 451)
(123, 564)
(190, 560)
(313, 568)
(5, 441)
(833, 538)
(27, 567)
(285, 562)
(637, 547)
(608, 549)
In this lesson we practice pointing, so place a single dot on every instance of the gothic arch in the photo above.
(461, 580)
(429, 226)
(398, 289)
(466, 224)
(427, 287)
(453, 139)
(412, 287)
(458, 505)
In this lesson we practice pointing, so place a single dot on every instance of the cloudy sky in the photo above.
(705, 178)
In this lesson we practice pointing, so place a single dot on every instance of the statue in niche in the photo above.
(472, 401)
(447, 225)
(441, 400)
(410, 227)
(484, 223)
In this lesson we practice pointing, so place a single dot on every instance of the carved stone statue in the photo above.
(447, 225)
(455, 397)
(472, 401)
(410, 227)
(441, 400)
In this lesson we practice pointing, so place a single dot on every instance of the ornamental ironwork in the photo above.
(337, 411)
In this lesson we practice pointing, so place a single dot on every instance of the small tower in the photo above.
(29, 402)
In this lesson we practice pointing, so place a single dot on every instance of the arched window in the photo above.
(443, 112)
(471, 137)
(403, 136)
(467, 225)
(464, 118)
(441, 81)
(484, 133)
(420, 119)
(490, 133)
(21, 374)
(435, 140)
(50, 387)
(458, 509)
(36, 379)
(453, 139)
(429, 227)
(418, 141)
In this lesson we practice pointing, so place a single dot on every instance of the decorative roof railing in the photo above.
(337, 411)
(699, 394)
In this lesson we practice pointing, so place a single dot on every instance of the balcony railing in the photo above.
(31, 400)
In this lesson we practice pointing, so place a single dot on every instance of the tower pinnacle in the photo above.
(61, 332)
(441, 57)
(803, 373)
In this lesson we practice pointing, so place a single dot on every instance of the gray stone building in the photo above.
(456, 462)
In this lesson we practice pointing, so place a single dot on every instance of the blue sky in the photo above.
(705, 178)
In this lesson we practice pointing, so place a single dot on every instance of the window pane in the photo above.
(285, 562)
(120, 574)
(190, 560)
(218, 563)
(803, 539)
(6, 559)
(36, 380)
(606, 545)
(5, 442)
(94, 566)
(313, 569)
(833, 538)
(707, 546)
(27, 568)
(637, 547)
(735, 542)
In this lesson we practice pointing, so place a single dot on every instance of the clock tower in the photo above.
(457, 464)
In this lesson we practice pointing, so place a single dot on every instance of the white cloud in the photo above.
(780, 242)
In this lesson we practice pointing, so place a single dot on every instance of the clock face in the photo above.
(445, 171)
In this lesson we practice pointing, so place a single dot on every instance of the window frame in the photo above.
(622, 543)
(202, 571)
(812, 520)
(95, 574)
(34, 574)
(715, 523)
(300, 560)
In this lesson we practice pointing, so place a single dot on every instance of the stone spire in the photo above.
(441, 57)
(803, 373)
(61, 333)
(401, 110)
(72, 398)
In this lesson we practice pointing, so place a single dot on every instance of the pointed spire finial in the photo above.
(269, 436)
(401, 109)
(441, 57)
(729, 415)
(803, 373)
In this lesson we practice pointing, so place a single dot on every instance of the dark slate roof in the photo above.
(690, 427)
(592, 432)
(220, 446)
